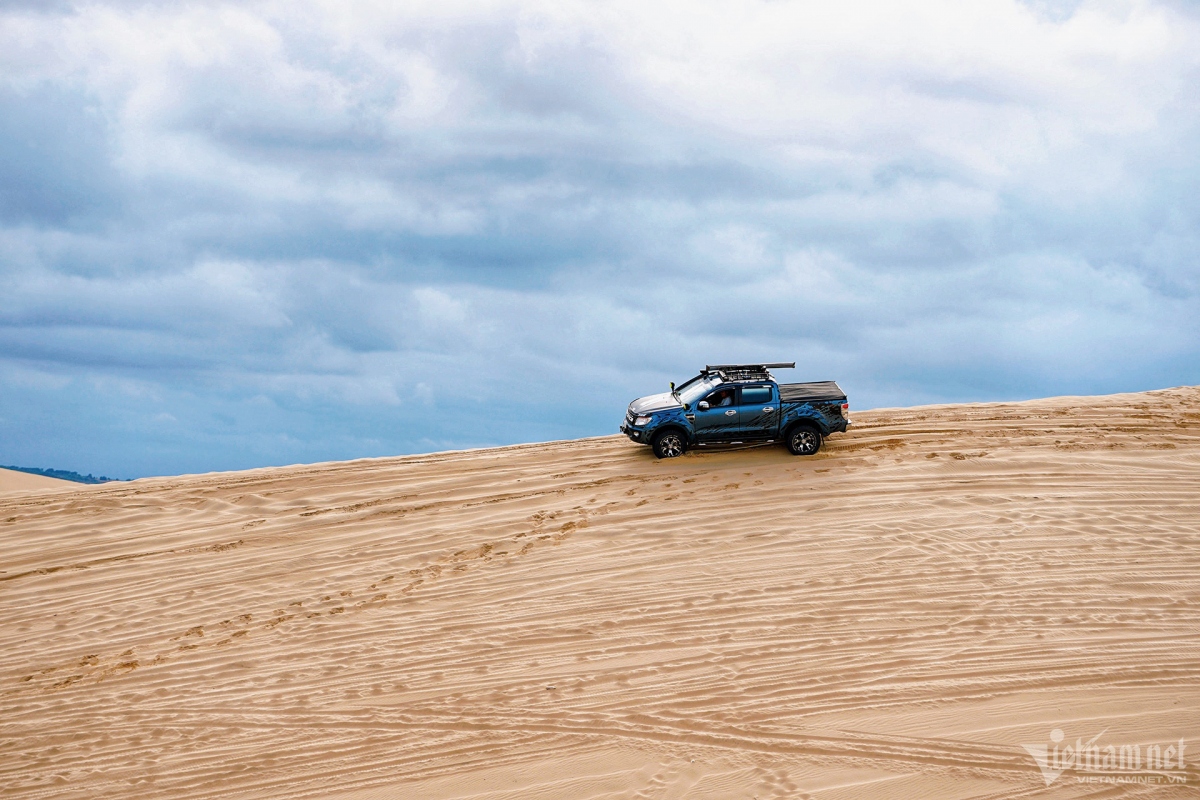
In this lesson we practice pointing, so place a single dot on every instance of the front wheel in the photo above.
(669, 444)
(803, 441)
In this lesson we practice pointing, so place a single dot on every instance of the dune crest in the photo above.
(902, 615)
(12, 481)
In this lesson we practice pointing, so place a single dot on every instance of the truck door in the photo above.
(758, 412)
(720, 420)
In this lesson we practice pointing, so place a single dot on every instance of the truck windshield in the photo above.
(691, 392)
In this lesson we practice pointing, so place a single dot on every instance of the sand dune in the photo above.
(894, 617)
(12, 481)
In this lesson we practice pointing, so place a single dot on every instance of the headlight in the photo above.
(640, 421)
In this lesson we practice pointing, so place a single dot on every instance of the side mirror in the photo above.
(702, 405)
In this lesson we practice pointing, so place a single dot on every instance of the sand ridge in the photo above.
(12, 481)
(895, 616)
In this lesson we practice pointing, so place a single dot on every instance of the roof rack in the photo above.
(746, 372)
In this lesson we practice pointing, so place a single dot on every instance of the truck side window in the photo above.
(756, 395)
(721, 398)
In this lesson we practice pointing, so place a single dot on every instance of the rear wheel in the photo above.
(803, 440)
(669, 444)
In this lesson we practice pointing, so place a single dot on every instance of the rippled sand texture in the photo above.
(894, 617)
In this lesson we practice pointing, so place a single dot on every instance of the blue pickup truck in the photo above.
(738, 403)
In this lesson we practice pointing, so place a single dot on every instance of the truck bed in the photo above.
(816, 391)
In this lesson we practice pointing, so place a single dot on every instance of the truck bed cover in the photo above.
(816, 390)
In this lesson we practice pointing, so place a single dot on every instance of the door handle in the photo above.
(767, 409)
(730, 413)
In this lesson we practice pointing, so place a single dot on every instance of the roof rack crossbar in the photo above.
(745, 372)
(761, 367)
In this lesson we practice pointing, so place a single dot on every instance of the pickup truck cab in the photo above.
(735, 404)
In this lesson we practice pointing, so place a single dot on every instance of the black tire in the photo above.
(670, 444)
(803, 440)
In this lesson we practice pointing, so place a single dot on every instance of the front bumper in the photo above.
(635, 434)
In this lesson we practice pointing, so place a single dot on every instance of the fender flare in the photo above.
(688, 436)
(805, 422)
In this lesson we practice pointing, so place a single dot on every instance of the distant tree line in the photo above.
(62, 474)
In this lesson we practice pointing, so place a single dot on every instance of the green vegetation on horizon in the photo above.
(62, 474)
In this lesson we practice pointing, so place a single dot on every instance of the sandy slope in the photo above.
(892, 618)
(12, 481)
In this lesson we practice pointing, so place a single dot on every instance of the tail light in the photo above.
(845, 409)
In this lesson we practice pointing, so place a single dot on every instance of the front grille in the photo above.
(629, 417)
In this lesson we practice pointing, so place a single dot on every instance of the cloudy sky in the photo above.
(251, 233)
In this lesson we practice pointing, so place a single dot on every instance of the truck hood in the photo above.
(654, 402)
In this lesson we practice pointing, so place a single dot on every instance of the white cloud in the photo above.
(314, 214)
